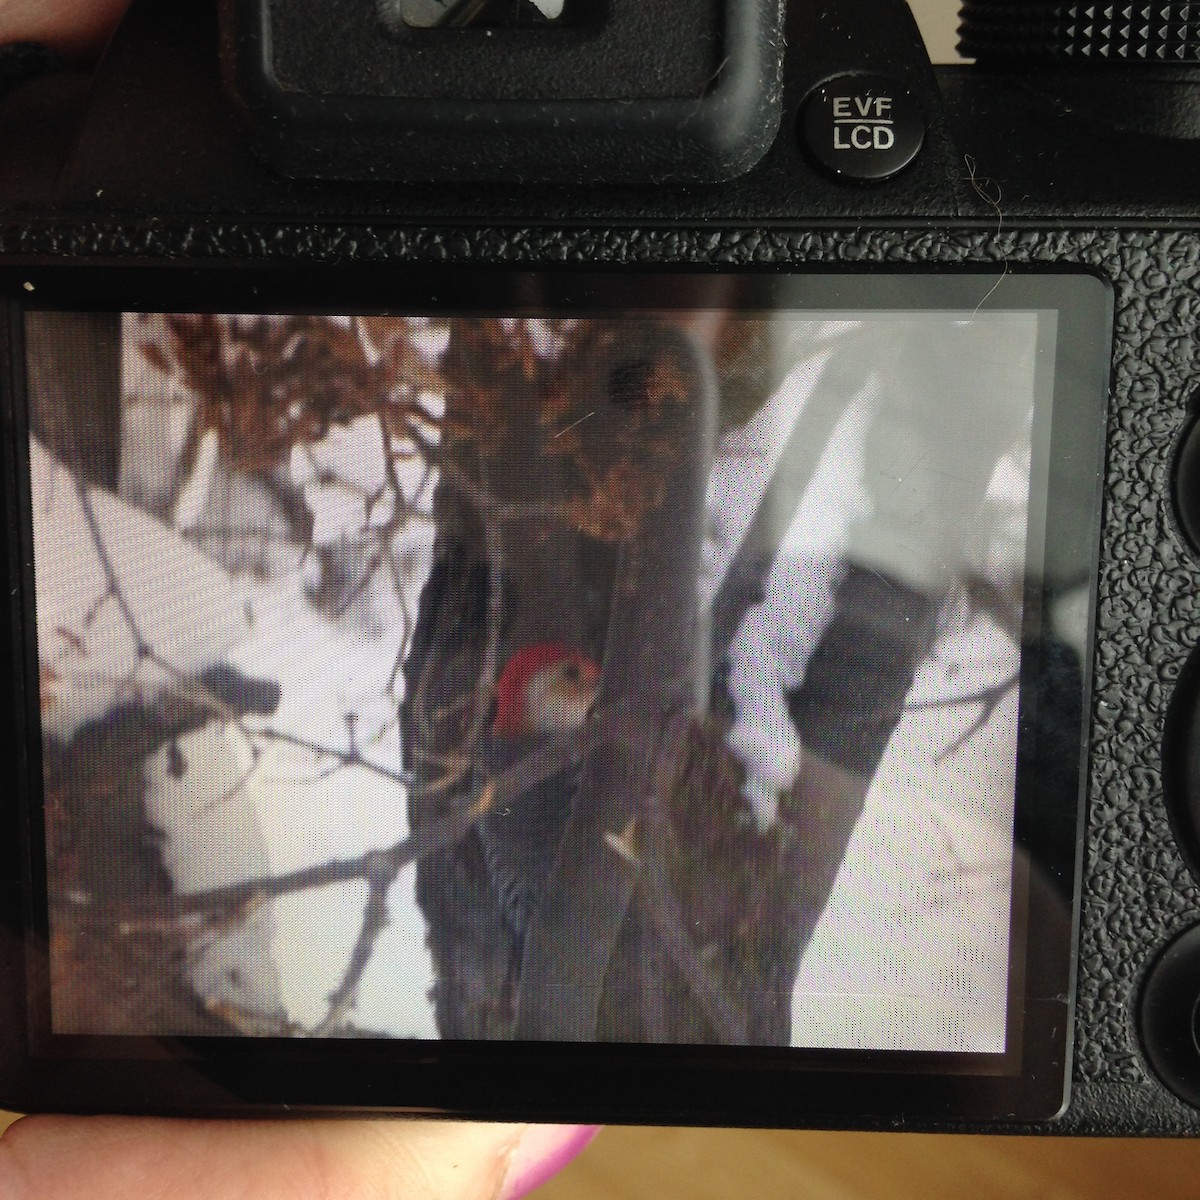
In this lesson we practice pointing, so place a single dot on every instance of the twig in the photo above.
(345, 758)
(990, 698)
(374, 922)
(439, 834)
(142, 648)
(477, 493)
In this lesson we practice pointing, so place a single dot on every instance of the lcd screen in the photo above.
(568, 667)
(326, 533)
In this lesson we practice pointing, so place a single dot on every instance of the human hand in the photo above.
(119, 1158)
(76, 29)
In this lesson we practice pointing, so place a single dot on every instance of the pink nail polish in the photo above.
(541, 1153)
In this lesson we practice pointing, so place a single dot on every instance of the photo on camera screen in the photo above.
(646, 677)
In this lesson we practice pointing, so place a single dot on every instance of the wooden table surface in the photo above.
(691, 1164)
(752, 1164)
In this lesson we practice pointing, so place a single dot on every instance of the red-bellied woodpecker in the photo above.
(545, 688)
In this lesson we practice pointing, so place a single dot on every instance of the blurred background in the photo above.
(938, 20)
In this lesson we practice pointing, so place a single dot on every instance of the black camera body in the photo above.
(743, 161)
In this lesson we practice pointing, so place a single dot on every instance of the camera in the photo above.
(611, 562)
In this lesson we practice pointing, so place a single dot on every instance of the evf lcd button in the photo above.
(861, 126)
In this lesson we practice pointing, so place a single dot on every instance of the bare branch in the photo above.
(344, 758)
(374, 922)
(504, 789)
(142, 647)
(990, 698)
(477, 493)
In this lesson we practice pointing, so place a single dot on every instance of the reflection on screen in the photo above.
(644, 678)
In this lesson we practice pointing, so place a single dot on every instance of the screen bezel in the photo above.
(556, 1081)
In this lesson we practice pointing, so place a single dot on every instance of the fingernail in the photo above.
(542, 1152)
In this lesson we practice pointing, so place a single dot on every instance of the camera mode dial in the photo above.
(1017, 31)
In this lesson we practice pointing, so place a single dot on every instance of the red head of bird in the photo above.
(545, 688)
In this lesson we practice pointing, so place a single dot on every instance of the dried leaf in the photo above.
(613, 509)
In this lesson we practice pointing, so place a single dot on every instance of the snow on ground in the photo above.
(912, 950)
(313, 811)
(87, 650)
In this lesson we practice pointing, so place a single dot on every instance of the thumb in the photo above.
(114, 1158)
(75, 28)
